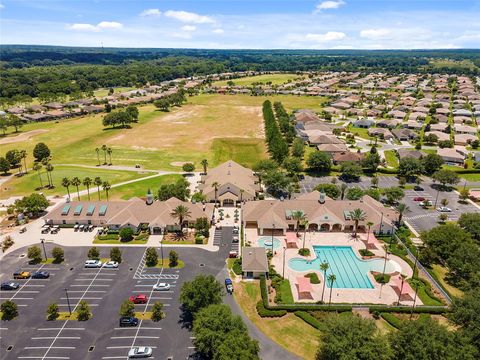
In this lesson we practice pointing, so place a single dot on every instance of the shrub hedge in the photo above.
(263, 312)
(392, 320)
(309, 319)
(408, 309)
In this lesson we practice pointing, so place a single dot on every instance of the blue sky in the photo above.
(254, 24)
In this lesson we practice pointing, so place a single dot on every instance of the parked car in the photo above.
(75, 227)
(90, 227)
(426, 203)
(229, 285)
(40, 275)
(444, 209)
(161, 287)
(235, 238)
(54, 231)
(419, 198)
(139, 299)
(140, 352)
(232, 254)
(137, 166)
(128, 321)
(81, 227)
(45, 229)
(235, 230)
(417, 188)
(20, 274)
(111, 265)
(93, 264)
(9, 286)
(22, 230)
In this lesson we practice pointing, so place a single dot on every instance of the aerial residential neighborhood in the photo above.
(229, 180)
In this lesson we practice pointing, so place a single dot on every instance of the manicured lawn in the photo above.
(291, 332)
(391, 158)
(118, 242)
(360, 132)
(285, 292)
(440, 273)
(244, 151)
(424, 297)
(275, 79)
(27, 184)
(116, 90)
(140, 188)
(470, 177)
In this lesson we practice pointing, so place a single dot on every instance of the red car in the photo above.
(139, 299)
(419, 198)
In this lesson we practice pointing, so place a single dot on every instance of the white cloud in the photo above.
(327, 5)
(189, 28)
(103, 25)
(2, 6)
(218, 31)
(189, 17)
(374, 34)
(109, 25)
(151, 12)
(328, 36)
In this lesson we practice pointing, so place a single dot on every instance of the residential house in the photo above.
(451, 156)
(404, 134)
(254, 262)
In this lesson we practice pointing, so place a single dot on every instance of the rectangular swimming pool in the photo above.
(350, 271)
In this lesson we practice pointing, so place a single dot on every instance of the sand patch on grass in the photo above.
(22, 137)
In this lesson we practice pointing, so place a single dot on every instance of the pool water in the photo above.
(266, 241)
(350, 271)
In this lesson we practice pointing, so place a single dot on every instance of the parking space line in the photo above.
(131, 337)
(29, 298)
(90, 291)
(53, 337)
(44, 329)
(126, 347)
(133, 328)
(77, 304)
(50, 347)
(91, 285)
(48, 357)
(89, 279)
(85, 298)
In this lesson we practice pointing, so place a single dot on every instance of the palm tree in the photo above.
(305, 227)
(181, 212)
(324, 267)
(401, 209)
(23, 155)
(98, 182)
(106, 186)
(215, 185)
(343, 188)
(66, 184)
(298, 215)
(331, 279)
(204, 163)
(37, 167)
(374, 181)
(87, 182)
(369, 225)
(357, 215)
(109, 152)
(97, 150)
(77, 182)
(49, 167)
(444, 202)
(104, 149)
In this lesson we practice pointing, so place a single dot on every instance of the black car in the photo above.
(40, 275)
(417, 188)
(128, 321)
(9, 286)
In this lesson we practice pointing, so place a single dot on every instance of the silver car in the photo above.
(140, 352)
(161, 287)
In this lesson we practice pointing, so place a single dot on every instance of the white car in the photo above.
(444, 209)
(111, 265)
(93, 264)
(140, 352)
(161, 287)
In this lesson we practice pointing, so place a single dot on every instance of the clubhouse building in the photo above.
(134, 213)
(322, 213)
(229, 183)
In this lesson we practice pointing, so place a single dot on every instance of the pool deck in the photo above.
(380, 294)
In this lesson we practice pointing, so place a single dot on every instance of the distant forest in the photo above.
(43, 71)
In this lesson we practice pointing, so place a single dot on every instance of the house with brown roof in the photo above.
(380, 132)
(451, 156)
(134, 213)
(229, 183)
(323, 214)
(347, 156)
(404, 134)
(254, 262)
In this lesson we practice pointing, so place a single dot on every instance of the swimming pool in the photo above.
(266, 241)
(350, 271)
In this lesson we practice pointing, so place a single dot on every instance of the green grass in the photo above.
(242, 150)
(423, 295)
(275, 79)
(27, 184)
(166, 265)
(118, 242)
(470, 177)
(116, 90)
(360, 132)
(283, 289)
(440, 273)
(391, 158)
(140, 188)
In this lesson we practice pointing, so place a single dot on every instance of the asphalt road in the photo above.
(30, 336)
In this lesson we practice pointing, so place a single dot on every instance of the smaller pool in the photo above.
(266, 241)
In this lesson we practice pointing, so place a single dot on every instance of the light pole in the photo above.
(44, 251)
(385, 264)
(161, 251)
(68, 301)
(283, 272)
(401, 289)
(436, 198)
(381, 224)
(273, 230)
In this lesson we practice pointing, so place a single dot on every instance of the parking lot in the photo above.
(308, 184)
(31, 336)
(424, 219)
